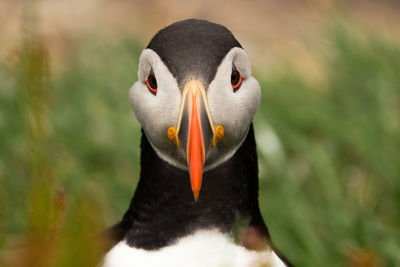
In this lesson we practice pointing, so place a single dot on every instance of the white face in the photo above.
(232, 109)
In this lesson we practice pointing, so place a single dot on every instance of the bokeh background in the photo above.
(328, 128)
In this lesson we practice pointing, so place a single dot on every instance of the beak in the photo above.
(195, 132)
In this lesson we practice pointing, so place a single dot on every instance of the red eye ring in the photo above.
(151, 83)
(236, 80)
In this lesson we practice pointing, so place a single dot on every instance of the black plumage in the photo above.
(162, 209)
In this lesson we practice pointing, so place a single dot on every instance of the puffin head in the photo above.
(195, 97)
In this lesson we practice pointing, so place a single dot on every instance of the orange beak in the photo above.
(195, 132)
(195, 145)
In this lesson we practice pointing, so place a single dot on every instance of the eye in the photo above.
(236, 79)
(151, 83)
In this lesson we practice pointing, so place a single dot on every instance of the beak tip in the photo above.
(196, 195)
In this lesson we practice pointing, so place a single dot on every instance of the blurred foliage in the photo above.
(331, 189)
(329, 152)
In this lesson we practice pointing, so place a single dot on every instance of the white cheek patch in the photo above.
(156, 112)
(233, 110)
(241, 60)
(206, 248)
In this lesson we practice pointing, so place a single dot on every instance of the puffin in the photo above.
(196, 202)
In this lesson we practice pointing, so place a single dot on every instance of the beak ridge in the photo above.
(195, 132)
(195, 147)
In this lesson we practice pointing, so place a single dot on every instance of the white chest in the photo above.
(202, 249)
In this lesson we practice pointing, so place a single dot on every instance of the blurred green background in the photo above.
(328, 128)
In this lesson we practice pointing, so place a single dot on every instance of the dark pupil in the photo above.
(235, 77)
(152, 81)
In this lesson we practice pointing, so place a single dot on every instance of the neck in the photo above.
(163, 210)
